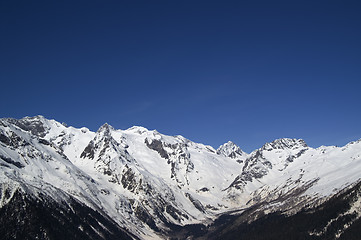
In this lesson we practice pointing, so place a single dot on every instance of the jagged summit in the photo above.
(285, 143)
(230, 149)
(37, 125)
(37, 117)
(105, 128)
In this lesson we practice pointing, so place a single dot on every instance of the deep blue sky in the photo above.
(212, 71)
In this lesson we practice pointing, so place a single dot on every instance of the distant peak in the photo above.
(37, 125)
(34, 118)
(285, 143)
(138, 129)
(228, 144)
(106, 125)
(106, 128)
(230, 149)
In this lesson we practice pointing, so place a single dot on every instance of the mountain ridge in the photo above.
(151, 184)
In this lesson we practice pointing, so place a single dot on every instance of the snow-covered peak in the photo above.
(105, 129)
(84, 130)
(357, 142)
(285, 143)
(37, 117)
(37, 125)
(230, 149)
(137, 129)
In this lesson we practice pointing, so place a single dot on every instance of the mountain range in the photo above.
(61, 182)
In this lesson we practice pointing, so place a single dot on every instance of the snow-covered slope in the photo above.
(148, 183)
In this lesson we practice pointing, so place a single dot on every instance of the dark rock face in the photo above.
(146, 217)
(10, 161)
(12, 140)
(44, 142)
(129, 180)
(157, 146)
(177, 156)
(34, 125)
(26, 217)
(285, 143)
(88, 151)
(197, 204)
(233, 155)
(204, 189)
(256, 166)
(4, 139)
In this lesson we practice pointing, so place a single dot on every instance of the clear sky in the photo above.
(212, 71)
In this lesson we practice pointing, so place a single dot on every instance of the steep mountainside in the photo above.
(336, 218)
(138, 183)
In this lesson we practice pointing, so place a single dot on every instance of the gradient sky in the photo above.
(212, 71)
